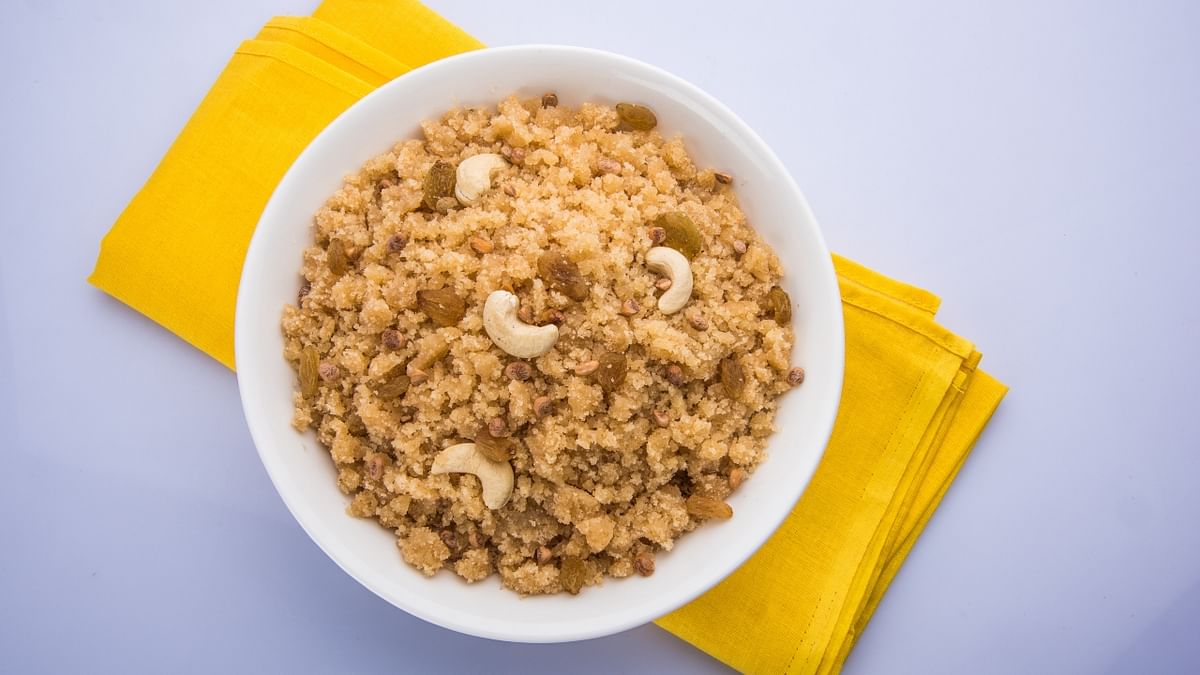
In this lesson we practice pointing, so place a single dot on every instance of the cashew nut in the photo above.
(509, 333)
(495, 478)
(474, 176)
(673, 265)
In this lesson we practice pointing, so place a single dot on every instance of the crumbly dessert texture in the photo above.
(631, 430)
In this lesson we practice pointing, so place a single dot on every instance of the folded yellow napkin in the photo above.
(912, 406)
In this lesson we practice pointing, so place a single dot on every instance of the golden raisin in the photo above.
(733, 377)
(394, 384)
(439, 184)
(442, 305)
(778, 306)
(705, 507)
(680, 233)
(495, 449)
(336, 257)
(636, 117)
(571, 574)
(563, 275)
(611, 372)
(309, 366)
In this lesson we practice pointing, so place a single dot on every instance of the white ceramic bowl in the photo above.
(301, 469)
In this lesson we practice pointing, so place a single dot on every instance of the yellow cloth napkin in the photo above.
(912, 405)
(913, 401)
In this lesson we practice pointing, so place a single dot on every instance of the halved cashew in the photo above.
(510, 333)
(495, 478)
(474, 176)
(673, 265)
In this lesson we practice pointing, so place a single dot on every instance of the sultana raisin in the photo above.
(778, 306)
(571, 573)
(495, 449)
(442, 305)
(611, 372)
(439, 184)
(705, 507)
(636, 117)
(309, 365)
(680, 233)
(394, 384)
(733, 377)
(336, 257)
(563, 275)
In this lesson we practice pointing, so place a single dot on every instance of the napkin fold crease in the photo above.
(913, 402)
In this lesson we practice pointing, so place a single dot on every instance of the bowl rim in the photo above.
(255, 251)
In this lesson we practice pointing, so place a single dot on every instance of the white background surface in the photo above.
(1035, 163)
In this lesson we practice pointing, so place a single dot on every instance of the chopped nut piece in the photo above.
(417, 376)
(543, 406)
(450, 540)
(329, 371)
(657, 236)
(549, 100)
(736, 477)
(644, 564)
(551, 316)
(587, 367)
(525, 314)
(497, 427)
(663, 284)
(397, 242)
(509, 189)
(739, 247)
(722, 178)
(543, 555)
(704, 507)
(305, 289)
(374, 465)
(795, 376)
(481, 245)
(517, 156)
(696, 320)
(355, 426)
(630, 307)
(662, 418)
(674, 375)
(393, 339)
(519, 370)
(608, 165)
